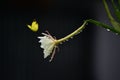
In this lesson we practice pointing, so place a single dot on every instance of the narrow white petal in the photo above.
(47, 44)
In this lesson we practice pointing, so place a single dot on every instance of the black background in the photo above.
(92, 55)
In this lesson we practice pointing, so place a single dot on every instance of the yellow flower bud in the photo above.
(33, 26)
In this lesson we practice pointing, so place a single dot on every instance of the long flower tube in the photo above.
(49, 44)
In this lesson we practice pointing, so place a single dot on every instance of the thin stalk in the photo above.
(73, 33)
(108, 11)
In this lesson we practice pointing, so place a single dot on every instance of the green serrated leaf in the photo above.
(110, 28)
(114, 23)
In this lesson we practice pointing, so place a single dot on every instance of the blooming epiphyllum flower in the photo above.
(49, 44)
(33, 26)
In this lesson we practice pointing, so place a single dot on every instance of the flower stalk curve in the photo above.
(49, 44)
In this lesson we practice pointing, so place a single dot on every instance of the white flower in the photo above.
(48, 43)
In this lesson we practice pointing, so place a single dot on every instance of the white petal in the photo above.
(47, 44)
(48, 50)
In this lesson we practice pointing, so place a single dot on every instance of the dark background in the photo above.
(94, 54)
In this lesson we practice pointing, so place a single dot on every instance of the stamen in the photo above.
(45, 34)
(53, 54)
(48, 32)
(49, 35)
